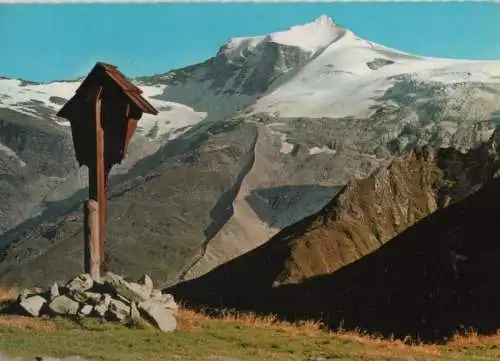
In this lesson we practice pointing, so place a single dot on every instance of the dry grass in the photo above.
(383, 343)
(201, 336)
(191, 320)
(21, 322)
(28, 323)
(473, 338)
(10, 294)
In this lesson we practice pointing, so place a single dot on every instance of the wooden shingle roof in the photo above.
(131, 91)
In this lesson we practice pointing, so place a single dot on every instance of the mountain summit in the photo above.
(260, 135)
(311, 37)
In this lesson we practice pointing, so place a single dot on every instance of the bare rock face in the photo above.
(33, 305)
(113, 299)
(102, 307)
(54, 291)
(147, 284)
(134, 312)
(63, 305)
(252, 168)
(85, 310)
(162, 317)
(81, 283)
(118, 310)
(164, 299)
(28, 292)
(129, 290)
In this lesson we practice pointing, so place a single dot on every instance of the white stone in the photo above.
(33, 305)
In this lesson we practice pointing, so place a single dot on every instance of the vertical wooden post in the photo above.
(95, 207)
(101, 189)
(92, 260)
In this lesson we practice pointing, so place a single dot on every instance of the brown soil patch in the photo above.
(27, 323)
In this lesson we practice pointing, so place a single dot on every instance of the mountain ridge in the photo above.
(344, 130)
(429, 273)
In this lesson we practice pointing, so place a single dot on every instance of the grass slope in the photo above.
(228, 337)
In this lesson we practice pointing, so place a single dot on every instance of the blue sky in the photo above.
(62, 41)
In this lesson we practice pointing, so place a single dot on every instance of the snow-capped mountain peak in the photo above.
(295, 114)
(310, 37)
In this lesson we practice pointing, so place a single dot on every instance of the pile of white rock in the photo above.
(112, 299)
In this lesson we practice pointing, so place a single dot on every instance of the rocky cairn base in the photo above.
(112, 299)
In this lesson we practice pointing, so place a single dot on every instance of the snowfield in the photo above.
(344, 79)
(288, 119)
(44, 100)
(343, 75)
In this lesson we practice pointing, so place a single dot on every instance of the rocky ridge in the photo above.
(258, 162)
(364, 217)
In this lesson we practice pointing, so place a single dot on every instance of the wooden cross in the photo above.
(100, 142)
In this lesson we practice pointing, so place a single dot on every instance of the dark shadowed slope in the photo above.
(438, 276)
(435, 276)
